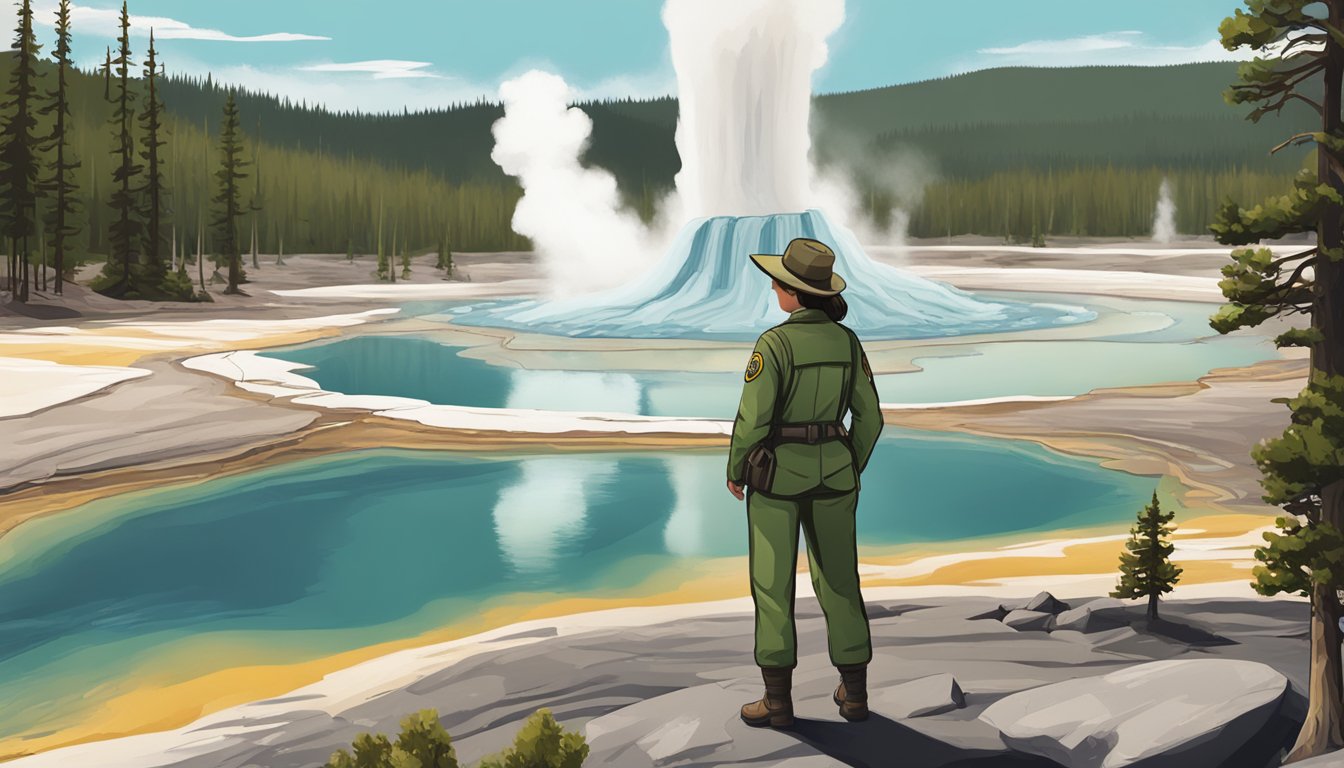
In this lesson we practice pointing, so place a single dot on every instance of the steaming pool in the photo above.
(1147, 342)
(315, 557)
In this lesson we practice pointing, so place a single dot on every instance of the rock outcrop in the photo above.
(949, 685)
(1182, 713)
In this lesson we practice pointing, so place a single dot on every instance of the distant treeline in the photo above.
(1097, 138)
(311, 197)
(1132, 141)
(1085, 201)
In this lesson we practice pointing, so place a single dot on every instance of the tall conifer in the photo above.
(18, 155)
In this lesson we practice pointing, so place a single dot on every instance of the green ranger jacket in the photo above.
(817, 354)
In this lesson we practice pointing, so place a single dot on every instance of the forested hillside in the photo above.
(991, 145)
(1003, 152)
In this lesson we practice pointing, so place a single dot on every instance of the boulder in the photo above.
(930, 695)
(1046, 603)
(1191, 713)
(1028, 621)
(1105, 613)
(994, 613)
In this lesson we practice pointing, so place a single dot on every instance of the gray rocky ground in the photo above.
(668, 694)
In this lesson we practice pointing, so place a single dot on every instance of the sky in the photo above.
(395, 54)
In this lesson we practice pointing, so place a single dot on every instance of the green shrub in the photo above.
(541, 743)
(424, 743)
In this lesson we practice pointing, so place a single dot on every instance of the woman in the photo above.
(800, 467)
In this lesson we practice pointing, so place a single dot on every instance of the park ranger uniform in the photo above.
(816, 484)
(802, 378)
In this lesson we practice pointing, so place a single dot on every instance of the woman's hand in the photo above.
(735, 489)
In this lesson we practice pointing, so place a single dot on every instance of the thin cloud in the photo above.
(381, 69)
(1111, 48)
(340, 92)
(1068, 46)
(106, 22)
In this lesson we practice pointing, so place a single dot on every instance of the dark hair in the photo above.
(835, 306)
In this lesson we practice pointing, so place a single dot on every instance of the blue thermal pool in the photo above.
(424, 369)
(315, 557)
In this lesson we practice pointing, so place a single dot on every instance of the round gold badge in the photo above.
(755, 365)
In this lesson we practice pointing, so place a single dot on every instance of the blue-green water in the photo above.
(423, 369)
(315, 557)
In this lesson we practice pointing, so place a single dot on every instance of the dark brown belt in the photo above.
(809, 433)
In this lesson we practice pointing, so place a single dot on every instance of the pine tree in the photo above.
(405, 261)
(203, 294)
(1145, 568)
(255, 205)
(118, 277)
(63, 165)
(382, 256)
(227, 198)
(445, 261)
(95, 226)
(155, 279)
(1301, 61)
(18, 157)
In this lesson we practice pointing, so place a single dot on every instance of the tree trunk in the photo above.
(1321, 732)
(200, 257)
(1152, 607)
(1325, 707)
(26, 268)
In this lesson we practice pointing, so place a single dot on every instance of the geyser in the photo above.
(708, 288)
(747, 185)
(1164, 215)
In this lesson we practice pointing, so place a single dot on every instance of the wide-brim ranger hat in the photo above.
(807, 265)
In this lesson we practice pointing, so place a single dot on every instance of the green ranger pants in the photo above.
(828, 524)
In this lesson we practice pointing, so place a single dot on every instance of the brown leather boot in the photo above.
(775, 709)
(852, 694)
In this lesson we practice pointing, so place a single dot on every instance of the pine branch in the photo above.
(1294, 257)
(1282, 102)
(1294, 140)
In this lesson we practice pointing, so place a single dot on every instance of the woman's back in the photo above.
(810, 370)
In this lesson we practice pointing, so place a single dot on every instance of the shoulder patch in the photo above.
(867, 369)
(754, 366)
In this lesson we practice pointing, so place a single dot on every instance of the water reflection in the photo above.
(705, 520)
(546, 508)
(574, 391)
(558, 507)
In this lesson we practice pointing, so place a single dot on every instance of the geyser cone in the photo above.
(707, 287)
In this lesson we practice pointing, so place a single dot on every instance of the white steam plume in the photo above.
(1164, 218)
(744, 85)
(585, 240)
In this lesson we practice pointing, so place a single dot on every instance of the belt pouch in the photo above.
(760, 474)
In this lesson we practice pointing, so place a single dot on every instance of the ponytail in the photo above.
(835, 306)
